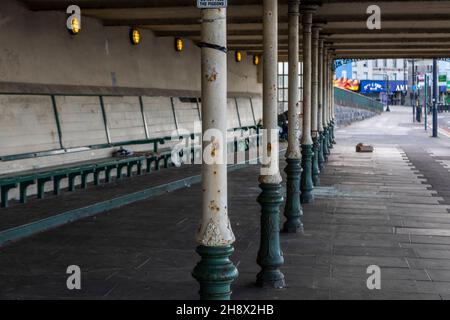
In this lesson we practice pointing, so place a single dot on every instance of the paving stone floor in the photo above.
(389, 208)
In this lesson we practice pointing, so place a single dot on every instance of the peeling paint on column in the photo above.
(293, 151)
(270, 96)
(215, 229)
(212, 75)
(214, 236)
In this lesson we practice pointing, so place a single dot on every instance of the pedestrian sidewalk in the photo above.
(380, 208)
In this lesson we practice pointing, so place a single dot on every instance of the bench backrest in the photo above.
(37, 125)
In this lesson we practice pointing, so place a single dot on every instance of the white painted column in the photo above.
(315, 81)
(307, 16)
(270, 169)
(293, 210)
(326, 90)
(270, 257)
(321, 85)
(325, 87)
(315, 104)
(215, 229)
(293, 151)
(307, 142)
(320, 105)
(330, 86)
(331, 102)
(332, 112)
(215, 272)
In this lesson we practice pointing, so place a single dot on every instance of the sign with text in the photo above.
(376, 86)
(398, 86)
(211, 4)
(373, 86)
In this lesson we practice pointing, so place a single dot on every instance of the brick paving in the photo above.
(389, 208)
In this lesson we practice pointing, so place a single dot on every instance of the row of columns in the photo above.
(305, 158)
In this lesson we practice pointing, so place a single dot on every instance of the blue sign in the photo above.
(372, 86)
(377, 86)
(398, 86)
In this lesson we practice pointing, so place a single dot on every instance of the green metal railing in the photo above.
(352, 99)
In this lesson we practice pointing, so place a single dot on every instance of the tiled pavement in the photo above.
(389, 208)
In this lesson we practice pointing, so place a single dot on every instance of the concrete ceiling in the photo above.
(408, 28)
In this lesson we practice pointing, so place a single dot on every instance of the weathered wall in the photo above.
(347, 115)
(38, 55)
(28, 124)
(37, 48)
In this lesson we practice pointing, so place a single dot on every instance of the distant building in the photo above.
(377, 78)
(423, 68)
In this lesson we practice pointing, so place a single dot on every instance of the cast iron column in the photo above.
(330, 102)
(326, 88)
(270, 257)
(307, 153)
(215, 272)
(293, 210)
(315, 104)
(320, 111)
(332, 115)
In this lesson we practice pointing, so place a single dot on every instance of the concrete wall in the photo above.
(38, 55)
(81, 121)
(347, 115)
(28, 124)
(37, 48)
(124, 118)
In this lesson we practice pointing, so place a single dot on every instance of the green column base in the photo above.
(326, 151)
(321, 158)
(270, 258)
(333, 141)
(293, 209)
(329, 141)
(215, 272)
(315, 162)
(306, 183)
